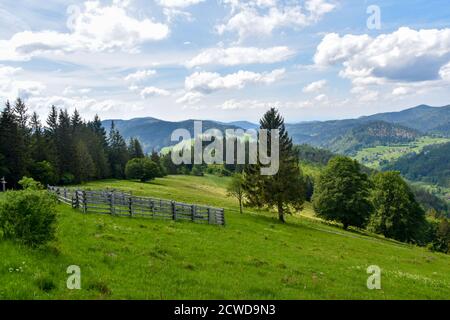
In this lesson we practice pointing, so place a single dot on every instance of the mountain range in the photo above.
(342, 136)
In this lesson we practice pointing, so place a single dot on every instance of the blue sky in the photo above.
(225, 59)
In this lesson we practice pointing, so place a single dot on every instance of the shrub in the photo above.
(30, 184)
(143, 169)
(28, 216)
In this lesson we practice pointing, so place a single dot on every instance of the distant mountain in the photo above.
(423, 118)
(372, 134)
(244, 125)
(155, 134)
(344, 136)
(336, 134)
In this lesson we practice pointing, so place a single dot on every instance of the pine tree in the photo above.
(285, 189)
(135, 149)
(118, 153)
(12, 146)
(65, 144)
(84, 165)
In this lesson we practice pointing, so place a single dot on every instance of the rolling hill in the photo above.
(350, 134)
(372, 134)
(345, 136)
(155, 134)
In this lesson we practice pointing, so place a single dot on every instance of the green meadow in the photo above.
(252, 257)
(374, 157)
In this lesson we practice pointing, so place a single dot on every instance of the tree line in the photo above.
(65, 149)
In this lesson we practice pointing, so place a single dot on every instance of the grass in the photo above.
(253, 257)
(374, 157)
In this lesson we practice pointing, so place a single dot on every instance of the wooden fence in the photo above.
(125, 204)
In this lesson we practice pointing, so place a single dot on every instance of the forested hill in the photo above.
(155, 134)
(342, 136)
(372, 134)
(431, 165)
(423, 118)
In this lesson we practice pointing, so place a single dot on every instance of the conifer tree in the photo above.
(284, 190)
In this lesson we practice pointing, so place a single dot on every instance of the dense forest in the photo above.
(431, 165)
(64, 150)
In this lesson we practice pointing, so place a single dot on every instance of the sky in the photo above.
(225, 60)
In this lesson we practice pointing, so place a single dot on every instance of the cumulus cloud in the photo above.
(208, 82)
(11, 86)
(178, 3)
(315, 86)
(94, 28)
(153, 91)
(139, 76)
(401, 91)
(264, 16)
(241, 55)
(190, 98)
(405, 55)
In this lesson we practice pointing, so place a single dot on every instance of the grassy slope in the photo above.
(371, 157)
(252, 257)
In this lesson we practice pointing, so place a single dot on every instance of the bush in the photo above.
(30, 184)
(143, 169)
(28, 216)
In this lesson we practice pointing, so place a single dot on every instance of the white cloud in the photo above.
(208, 82)
(178, 3)
(71, 91)
(405, 55)
(444, 72)
(401, 91)
(11, 86)
(139, 76)
(190, 98)
(263, 17)
(321, 98)
(241, 55)
(96, 28)
(315, 86)
(244, 105)
(153, 91)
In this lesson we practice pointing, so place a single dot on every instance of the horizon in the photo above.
(256, 122)
(314, 60)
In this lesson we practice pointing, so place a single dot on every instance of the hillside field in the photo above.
(374, 157)
(252, 257)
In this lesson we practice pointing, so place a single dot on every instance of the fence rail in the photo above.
(125, 204)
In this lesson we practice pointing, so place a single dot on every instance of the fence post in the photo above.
(174, 210)
(84, 202)
(130, 206)
(193, 212)
(223, 217)
(77, 200)
(152, 207)
(210, 221)
(111, 202)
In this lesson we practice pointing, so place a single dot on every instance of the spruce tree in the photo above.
(12, 146)
(118, 153)
(284, 190)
